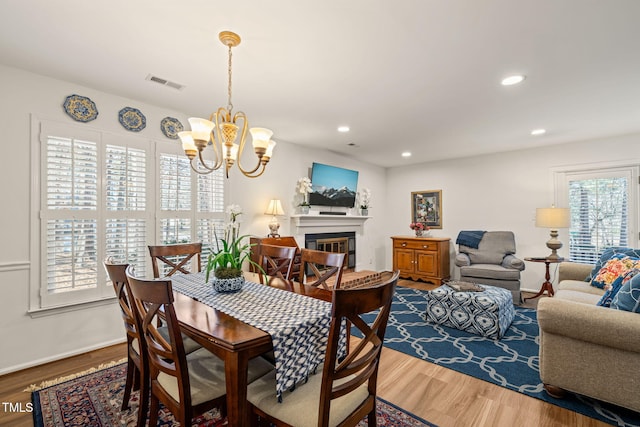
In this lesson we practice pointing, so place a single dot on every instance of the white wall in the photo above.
(28, 341)
(499, 192)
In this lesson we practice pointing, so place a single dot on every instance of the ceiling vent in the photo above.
(164, 82)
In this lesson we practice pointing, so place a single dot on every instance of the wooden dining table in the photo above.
(233, 340)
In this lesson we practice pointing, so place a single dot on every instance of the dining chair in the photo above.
(186, 384)
(137, 371)
(175, 258)
(277, 261)
(325, 268)
(345, 392)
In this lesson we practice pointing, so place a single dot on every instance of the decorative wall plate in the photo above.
(170, 127)
(80, 108)
(132, 119)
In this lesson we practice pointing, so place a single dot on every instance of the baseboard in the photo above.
(59, 356)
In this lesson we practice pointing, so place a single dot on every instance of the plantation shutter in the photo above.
(126, 205)
(210, 212)
(175, 199)
(69, 215)
(602, 213)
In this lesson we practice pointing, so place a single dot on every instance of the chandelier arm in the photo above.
(246, 172)
(249, 175)
(199, 171)
(243, 141)
(217, 151)
(204, 165)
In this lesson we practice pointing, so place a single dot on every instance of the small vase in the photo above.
(419, 233)
(364, 212)
(304, 210)
(233, 284)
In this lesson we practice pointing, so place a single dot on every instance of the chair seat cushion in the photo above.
(206, 376)
(490, 271)
(300, 407)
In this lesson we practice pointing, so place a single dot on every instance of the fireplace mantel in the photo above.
(322, 223)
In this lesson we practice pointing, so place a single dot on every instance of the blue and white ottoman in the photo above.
(488, 313)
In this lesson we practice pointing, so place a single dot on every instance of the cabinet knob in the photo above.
(425, 246)
(404, 244)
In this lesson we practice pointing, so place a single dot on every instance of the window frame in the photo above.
(562, 176)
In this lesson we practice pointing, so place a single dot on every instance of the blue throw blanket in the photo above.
(470, 238)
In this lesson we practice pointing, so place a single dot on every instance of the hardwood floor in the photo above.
(439, 395)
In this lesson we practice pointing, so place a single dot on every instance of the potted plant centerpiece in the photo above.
(226, 260)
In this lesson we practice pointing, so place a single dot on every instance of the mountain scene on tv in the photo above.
(326, 196)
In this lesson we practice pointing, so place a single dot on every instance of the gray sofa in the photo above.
(585, 348)
(492, 263)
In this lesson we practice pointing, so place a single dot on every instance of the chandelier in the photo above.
(221, 131)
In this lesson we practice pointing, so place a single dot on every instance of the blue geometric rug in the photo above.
(511, 362)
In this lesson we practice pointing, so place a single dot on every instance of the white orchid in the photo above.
(234, 211)
(304, 187)
(364, 198)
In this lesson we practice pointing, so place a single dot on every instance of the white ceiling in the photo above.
(417, 75)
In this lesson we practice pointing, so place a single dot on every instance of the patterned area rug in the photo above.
(511, 362)
(94, 399)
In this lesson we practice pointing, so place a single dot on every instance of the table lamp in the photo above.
(553, 218)
(274, 209)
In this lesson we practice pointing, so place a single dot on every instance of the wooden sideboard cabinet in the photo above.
(422, 258)
(276, 241)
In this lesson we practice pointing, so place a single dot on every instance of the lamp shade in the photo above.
(274, 208)
(552, 217)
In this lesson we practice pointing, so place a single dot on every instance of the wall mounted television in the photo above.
(333, 186)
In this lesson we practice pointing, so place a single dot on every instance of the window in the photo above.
(95, 198)
(178, 221)
(604, 212)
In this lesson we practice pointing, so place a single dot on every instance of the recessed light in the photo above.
(536, 132)
(512, 80)
(406, 154)
(343, 129)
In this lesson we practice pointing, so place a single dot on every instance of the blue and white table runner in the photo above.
(298, 324)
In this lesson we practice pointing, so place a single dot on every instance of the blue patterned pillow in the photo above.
(612, 291)
(606, 256)
(628, 297)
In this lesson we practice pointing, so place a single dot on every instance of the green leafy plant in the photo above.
(230, 253)
(226, 261)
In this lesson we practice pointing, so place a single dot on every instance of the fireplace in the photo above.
(344, 242)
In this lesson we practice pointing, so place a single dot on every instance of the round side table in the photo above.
(546, 286)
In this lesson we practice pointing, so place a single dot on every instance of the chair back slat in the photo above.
(326, 268)
(277, 260)
(175, 258)
(116, 273)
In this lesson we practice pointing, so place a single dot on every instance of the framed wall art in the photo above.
(426, 207)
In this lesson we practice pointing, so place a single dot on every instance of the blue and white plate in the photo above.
(80, 108)
(170, 127)
(132, 119)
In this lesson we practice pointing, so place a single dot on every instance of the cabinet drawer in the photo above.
(416, 244)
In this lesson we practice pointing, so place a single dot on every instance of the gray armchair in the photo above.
(492, 263)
